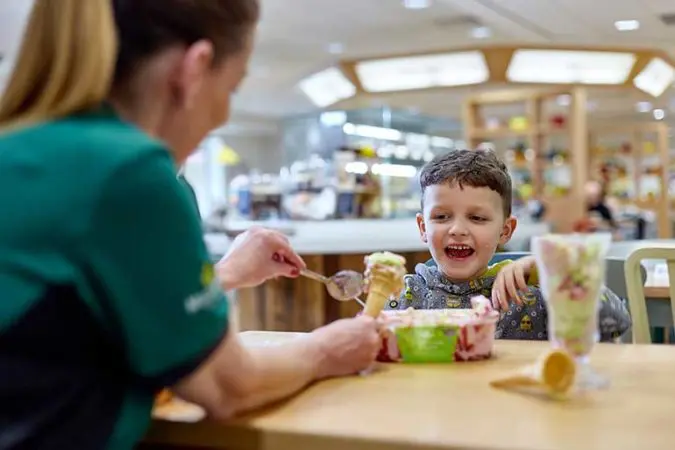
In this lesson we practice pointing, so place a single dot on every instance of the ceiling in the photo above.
(295, 37)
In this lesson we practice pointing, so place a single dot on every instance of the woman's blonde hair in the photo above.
(73, 51)
(66, 62)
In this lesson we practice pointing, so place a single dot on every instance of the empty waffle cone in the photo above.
(554, 372)
(165, 396)
(382, 286)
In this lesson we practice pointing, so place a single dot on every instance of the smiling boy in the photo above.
(466, 215)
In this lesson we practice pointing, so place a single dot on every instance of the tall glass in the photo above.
(571, 272)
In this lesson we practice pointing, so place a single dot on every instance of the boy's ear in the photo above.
(510, 225)
(422, 227)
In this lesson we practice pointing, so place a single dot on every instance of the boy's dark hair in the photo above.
(475, 168)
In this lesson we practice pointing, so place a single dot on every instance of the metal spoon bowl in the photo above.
(345, 285)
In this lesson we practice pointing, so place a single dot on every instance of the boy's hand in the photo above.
(511, 279)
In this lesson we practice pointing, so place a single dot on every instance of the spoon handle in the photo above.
(359, 301)
(304, 272)
(314, 276)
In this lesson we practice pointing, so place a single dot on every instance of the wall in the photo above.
(257, 144)
(262, 153)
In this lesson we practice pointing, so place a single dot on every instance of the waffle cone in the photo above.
(382, 285)
(555, 373)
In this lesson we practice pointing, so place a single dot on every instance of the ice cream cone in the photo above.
(554, 373)
(384, 277)
(382, 285)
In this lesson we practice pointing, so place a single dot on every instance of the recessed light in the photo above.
(481, 32)
(643, 107)
(336, 48)
(659, 114)
(416, 4)
(627, 25)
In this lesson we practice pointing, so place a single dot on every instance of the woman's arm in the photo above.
(237, 378)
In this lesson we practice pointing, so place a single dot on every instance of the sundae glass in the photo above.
(571, 271)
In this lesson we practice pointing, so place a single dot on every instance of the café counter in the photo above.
(327, 247)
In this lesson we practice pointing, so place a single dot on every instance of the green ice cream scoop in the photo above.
(385, 259)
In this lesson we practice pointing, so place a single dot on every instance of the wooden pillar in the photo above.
(536, 139)
(472, 123)
(636, 144)
(579, 151)
(663, 207)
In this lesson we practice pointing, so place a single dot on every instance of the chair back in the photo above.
(615, 279)
(635, 288)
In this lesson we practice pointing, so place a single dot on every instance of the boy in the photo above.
(466, 215)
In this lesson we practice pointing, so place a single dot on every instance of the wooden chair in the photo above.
(635, 288)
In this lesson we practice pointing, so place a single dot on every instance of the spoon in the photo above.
(344, 285)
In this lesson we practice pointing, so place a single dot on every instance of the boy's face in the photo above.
(463, 227)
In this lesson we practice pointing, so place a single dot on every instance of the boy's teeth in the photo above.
(459, 247)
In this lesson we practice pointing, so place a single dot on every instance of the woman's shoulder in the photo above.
(95, 140)
(76, 161)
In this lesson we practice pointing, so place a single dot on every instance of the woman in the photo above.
(107, 290)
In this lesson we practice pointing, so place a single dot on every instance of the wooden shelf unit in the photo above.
(562, 211)
(636, 134)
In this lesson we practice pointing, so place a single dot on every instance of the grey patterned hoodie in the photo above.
(428, 288)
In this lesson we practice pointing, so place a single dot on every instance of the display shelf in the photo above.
(548, 160)
(640, 177)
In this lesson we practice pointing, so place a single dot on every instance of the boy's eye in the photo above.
(478, 219)
(441, 217)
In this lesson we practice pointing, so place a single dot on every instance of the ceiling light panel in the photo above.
(627, 25)
(419, 72)
(655, 78)
(569, 67)
(481, 33)
(327, 87)
(416, 4)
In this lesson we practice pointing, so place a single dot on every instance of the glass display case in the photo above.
(335, 164)
(374, 155)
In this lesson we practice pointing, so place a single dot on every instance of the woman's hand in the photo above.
(511, 279)
(346, 346)
(256, 256)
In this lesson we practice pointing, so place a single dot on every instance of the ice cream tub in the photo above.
(437, 336)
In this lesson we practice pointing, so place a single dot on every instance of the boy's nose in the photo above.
(458, 229)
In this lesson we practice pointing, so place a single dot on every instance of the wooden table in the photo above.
(453, 407)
